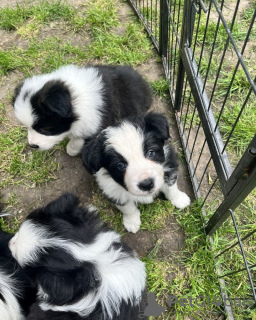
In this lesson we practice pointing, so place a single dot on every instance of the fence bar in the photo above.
(245, 169)
(214, 139)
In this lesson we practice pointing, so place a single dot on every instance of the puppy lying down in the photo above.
(80, 267)
(133, 162)
(76, 102)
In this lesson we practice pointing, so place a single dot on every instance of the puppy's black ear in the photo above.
(157, 123)
(63, 205)
(65, 287)
(17, 92)
(92, 154)
(55, 97)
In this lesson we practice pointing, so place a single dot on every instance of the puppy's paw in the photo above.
(132, 223)
(181, 201)
(72, 150)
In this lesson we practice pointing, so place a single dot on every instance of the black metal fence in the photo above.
(208, 53)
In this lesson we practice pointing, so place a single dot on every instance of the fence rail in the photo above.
(206, 56)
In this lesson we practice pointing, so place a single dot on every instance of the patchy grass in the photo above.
(154, 216)
(44, 12)
(131, 47)
(244, 130)
(160, 87)
(101, 15)
(18, 165)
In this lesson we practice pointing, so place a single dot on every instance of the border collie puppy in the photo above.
(80, 266)
(77, 102)
(16, 291)
(132, 163)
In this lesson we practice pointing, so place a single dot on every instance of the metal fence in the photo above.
(209, 58)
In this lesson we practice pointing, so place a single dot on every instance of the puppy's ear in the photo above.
(55, 97)
(65, 287)
(63, 205)
(157, 123)
(92, 154)
(17, 92)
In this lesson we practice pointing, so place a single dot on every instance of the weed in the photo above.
(160, 87)
(132, 47)
(101, 14)
(44, 12)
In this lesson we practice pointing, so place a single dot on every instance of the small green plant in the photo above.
(44, 12)
(160, 87)
(132, 47)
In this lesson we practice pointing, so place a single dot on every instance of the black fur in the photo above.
(127, 312)
(156, 131)
(62, 277)
(52, 105)
(125, 93)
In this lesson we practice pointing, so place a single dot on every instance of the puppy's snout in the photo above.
(146, 185)
(34, 146)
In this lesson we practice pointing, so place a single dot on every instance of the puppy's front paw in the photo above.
(181, 201)
(72, 150)
(132, 223)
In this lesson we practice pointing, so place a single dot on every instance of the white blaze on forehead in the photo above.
(126, 140)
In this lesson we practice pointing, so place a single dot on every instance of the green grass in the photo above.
(238, 34)
(102, 15)
(46, 11)
(131, 47)
(243, 132)
(17, 165)
(238, 285)
(160, 87)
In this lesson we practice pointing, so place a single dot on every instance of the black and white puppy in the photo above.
(16, 291)
(80, 266)
(77, 102)
(132, 163)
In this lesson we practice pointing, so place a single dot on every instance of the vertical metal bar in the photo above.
(181, 69)
(243, 254)
(163, 36)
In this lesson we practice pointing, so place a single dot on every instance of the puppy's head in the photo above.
(132, 152)
(44, 247)
(44, 106)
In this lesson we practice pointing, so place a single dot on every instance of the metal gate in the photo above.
(205, 57)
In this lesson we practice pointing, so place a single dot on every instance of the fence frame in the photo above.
(235, 184)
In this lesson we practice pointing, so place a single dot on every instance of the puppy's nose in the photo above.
(35, 146)
(147, 184)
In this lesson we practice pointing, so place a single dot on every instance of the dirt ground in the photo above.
(72, 176)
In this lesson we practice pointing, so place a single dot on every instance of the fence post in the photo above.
(163, 30)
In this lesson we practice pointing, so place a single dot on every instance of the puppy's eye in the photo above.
(151, 154)
(45, 131)
(121, 166)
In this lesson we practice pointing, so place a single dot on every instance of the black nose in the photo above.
(147, 184)
(35, 146)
